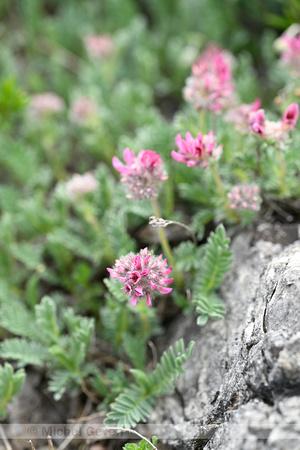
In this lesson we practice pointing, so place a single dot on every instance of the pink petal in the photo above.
(256, 104)
(192, 163)
(152, 285)
(146, 259)
(128, 156)
(137, 263)
(164, 290)
(148, 300)
(133, 301)
(166, 272)
(139, 291)
(290, 116)
(145, 272)
(144, 252)
(112, 273)
(178, 157)
(118, 165)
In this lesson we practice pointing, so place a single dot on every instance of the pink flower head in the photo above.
(209, 87)
(240, 116)
(274, 131)
(289, 46)
(142, 174)
(244, 197)
(81, 184)
(99, 46)
(290, 116)
(142, 275)
(199, 151)
(45, 103)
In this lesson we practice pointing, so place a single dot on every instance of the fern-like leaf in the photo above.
(23, 351)
(216, 262)
(136, 402)
(10, 384)
(59, 383)
(17, 319)
(46, 318)
(207, 307)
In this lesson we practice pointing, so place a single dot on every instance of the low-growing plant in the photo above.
(196, 153)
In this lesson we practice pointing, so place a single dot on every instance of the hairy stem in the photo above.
(282, 172)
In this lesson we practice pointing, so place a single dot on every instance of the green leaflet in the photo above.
(135, 403)
(46, 340)
(216, 263)
(10, 384)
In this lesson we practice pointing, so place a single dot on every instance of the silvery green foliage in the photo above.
(62, 344)
(135, 403)
(10, 384)
(214, 265)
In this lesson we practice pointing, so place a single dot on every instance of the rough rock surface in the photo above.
(241, 388)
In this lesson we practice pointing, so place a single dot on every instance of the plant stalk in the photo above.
(162, 236)
(282, 172)
(222, 191)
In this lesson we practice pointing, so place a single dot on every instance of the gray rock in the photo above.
(241, 388)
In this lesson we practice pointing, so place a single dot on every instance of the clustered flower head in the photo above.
(83, 111)
(271, 130)
(240, 115)
(199, 151)
(210, 87)
(79, 185)
(244, 197)
(99, 46)
(142, 174)
(142, 275)
(45, 103)
(289, 46)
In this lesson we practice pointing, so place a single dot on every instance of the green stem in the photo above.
(221, 189)
(218, 182)
(257, 160)
(162, 236)
(282, 172)
(202, 121)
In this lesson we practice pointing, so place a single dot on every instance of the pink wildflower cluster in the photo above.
(142, 274)
(240, 115)
(45, 103)
(289, 46)
(244, 196)
(83, 111)
(199, 151)
(81, 184)
(99, 46)
(275, 131)
(210, 87)
(142, 174)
